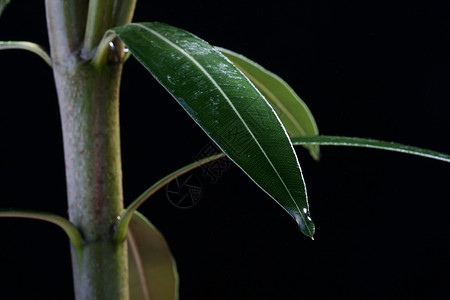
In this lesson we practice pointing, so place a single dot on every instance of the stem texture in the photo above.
(88, 97)
(89, 105)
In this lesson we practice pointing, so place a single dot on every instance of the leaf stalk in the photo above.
(324, 140)
(71, 231)
(122, 225)
(29, 46)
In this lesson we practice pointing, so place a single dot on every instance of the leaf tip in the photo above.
(304, 221)
(316, 154)
(309, 230)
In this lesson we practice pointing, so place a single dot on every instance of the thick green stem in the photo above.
(89, 106)
(66, 26)
(88, 97)
(90, 117)
(102, 272)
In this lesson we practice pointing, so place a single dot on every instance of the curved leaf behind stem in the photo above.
(293, 112)
(152, 268)
(227, 107)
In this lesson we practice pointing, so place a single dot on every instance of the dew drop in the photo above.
(169, 78)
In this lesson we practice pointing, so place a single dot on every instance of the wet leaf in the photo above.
(152, 268)
(290, 108)
(224, 103)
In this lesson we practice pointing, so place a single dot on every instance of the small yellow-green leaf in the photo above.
(152, 268)
(290, 108)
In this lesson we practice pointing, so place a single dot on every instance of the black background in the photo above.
(366, 69)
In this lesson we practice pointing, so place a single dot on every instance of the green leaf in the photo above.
(152, 269)
(226, 106)
(290, 108)
(3, 4)
(369, 143)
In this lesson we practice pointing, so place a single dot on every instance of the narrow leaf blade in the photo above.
(369, 143)
(290, 108)
(152, 268)
(226, 106)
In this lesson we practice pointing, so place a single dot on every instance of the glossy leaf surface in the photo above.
(152, 269)
(293, 112)
(226, 106)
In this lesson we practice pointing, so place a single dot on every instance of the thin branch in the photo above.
(29, 46)
(369, 143)
(313, 140)
(103, 48)
(122, 225)
(72, 232)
